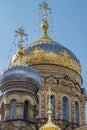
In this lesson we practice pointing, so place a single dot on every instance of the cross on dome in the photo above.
(21, 33)
(45, 8)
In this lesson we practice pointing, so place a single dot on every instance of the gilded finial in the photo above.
(46, 11)
(21, 33)
(49, 106)
(49, 125)
(45, 7)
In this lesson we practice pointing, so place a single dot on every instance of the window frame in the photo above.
(26, 110)
(77, 120)
(65, 108)
(13, 108)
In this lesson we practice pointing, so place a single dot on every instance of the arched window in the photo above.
(76, 112)
(65, 108)
(25, 115)
(86, 113)
(2, 111)
(52, 99)
(38, 106)
(13, 109)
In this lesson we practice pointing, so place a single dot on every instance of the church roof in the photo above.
(47, 51)
(20, 73)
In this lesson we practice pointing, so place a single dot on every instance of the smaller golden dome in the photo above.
(49, 125)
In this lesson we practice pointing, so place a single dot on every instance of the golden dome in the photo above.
(47, 51)
(49, 126)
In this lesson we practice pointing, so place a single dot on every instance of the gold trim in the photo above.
(44, 38)
(38, 55)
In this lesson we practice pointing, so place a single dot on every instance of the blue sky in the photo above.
(69, 20)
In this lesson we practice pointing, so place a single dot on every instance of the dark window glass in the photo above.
(77, 112)
(2, 111)
(13, 109)
(65, 108)
(38, 107)
(25, 110)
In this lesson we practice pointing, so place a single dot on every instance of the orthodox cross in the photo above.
(45, 7)
(21, 33)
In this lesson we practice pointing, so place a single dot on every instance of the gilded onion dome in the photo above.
(47, 51)
(49, 125)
